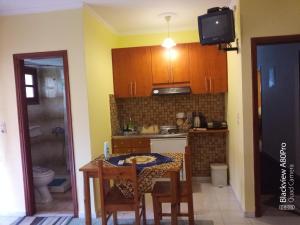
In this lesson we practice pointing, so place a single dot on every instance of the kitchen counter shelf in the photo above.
(151, 136)
(209, 131)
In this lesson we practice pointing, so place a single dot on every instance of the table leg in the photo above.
(174, 209)
(87, 199)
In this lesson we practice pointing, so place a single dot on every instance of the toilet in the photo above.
(41, 178)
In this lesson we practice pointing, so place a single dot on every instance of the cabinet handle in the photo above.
(131, 89)
(210, 84)
(206, 88)
(134, 88)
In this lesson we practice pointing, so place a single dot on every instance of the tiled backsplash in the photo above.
(161, 110)
(206, 148)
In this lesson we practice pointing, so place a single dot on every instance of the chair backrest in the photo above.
(107, 174)
(188, 166)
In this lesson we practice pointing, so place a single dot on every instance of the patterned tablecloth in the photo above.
(147, 174)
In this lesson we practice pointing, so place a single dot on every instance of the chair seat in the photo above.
(163, 189)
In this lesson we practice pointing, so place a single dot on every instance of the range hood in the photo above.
(171, 91)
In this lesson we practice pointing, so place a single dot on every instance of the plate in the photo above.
(141, 159)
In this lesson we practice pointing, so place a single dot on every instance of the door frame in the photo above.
(24, 131)
(257, 159)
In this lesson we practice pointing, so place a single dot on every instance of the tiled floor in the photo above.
(61, 204)
(217, 204)
(221, 206)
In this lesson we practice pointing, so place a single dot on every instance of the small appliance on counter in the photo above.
(217, 125)
(199, 120)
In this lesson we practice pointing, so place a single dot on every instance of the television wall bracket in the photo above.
(228, 47)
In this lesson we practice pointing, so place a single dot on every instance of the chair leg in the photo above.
(159, 208)
(103, 217)
(155, 210)
(137, 216)
(174, 213)
(191, 211)
(144, 210)
(115, 217)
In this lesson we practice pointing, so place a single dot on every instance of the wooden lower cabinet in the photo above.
(131, 145)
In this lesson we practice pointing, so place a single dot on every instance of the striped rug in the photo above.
(78, 221)
(52, 220)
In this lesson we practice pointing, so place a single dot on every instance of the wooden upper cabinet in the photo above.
(170, 66)
(161, 73)
(136, 70)
(179, 57)
(208, 68)
(197, 68)
(121, 77)
(132, 71)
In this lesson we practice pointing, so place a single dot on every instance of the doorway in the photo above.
(276, 126)
(45, 127)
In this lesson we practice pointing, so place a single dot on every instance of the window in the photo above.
(31, 86)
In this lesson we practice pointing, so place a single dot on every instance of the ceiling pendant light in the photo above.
(168, 42)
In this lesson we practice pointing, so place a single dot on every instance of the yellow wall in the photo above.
(235, 118)
(33, 33)
(98, 42)
(260, 18)
(157, 38)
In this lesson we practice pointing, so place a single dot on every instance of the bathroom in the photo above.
(47, 122)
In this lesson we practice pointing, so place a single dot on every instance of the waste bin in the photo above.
(218, 174)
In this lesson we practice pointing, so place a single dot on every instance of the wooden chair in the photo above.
(112, 200)
(163, 193)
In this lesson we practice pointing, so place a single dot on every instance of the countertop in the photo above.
(178, 135)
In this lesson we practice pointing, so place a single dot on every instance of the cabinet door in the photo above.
(132, 71)
(208, 67)
(216, 68)
(160, 65)
(199, 76)
(179, 57)
(122, 75)
(141, 71)
(131, 145)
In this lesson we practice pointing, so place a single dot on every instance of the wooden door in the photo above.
(140, 63)
(216, 68)
(123, 86)
(160, 66)
(179, 57)
(199, 80)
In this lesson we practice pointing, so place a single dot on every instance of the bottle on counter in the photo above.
(106, 150)
(130, 125)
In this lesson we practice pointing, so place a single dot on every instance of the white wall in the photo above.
(33, 33)
(234, 116)
(258, 19)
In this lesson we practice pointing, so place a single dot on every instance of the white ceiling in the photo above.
(125, 16)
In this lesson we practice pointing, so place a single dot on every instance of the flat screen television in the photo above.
(216, 27)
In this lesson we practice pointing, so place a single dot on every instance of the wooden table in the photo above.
(90, 170)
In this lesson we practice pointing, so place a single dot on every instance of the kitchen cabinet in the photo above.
(170, 66)
(132, 71)
(208, 68)
(136, 70)
(131, 145)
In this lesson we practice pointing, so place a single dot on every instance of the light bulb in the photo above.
(168, 43)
